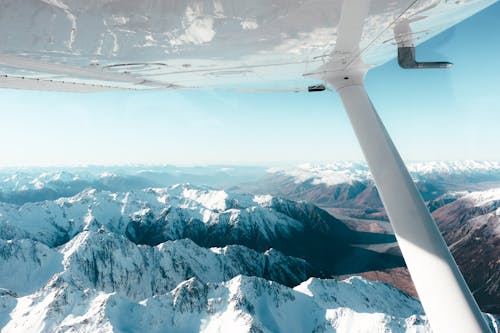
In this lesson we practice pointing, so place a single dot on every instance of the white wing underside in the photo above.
(262, 45)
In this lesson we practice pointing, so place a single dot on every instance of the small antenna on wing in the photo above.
(319, 87)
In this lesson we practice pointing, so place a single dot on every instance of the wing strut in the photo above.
(447, 301)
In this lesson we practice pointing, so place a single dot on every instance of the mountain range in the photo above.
(122, 249)
(463, 197)
(146, 260)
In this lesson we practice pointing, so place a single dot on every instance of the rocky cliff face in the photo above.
(210, 218)
(471, 227)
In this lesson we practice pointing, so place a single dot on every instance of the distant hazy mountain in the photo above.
(350, 185)
(39, 184)
(348, 172)
(339, 184)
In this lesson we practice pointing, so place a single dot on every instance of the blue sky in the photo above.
(432, 115)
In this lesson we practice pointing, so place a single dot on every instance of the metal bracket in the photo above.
(319, 87)
(406, 60)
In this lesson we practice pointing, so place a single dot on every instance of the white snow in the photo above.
(26, 265)
(263, 200)
(107, 174)
(329, 174)
(450, 167)
(481, 198)
(213, 200)
(336, 173)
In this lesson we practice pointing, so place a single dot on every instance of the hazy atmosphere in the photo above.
(432, 115)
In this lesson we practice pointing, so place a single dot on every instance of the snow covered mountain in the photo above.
(467, 219)
(39, 184)
(100, 281)
(348, 172)
(471, 227)
(330, 184)
(240, 304)
(350, 185)
(121, 262)
(470, 224)
(190, 258)
(211, 218)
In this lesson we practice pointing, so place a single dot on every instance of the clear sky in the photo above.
(432, 115)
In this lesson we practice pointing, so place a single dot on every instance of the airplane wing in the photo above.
(261, 45)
